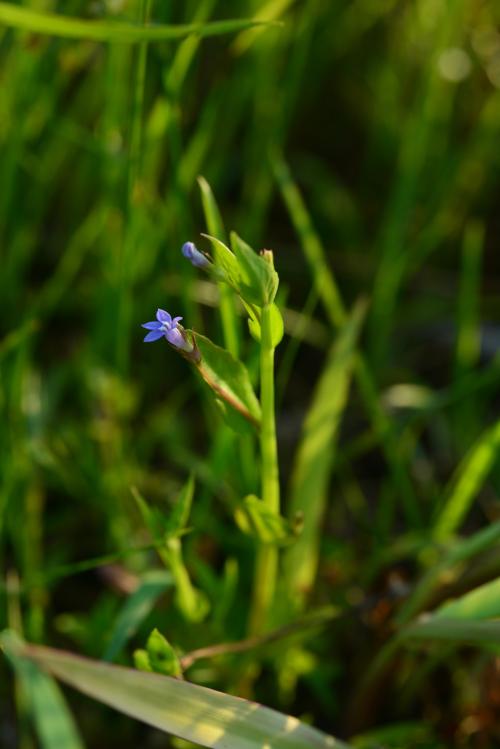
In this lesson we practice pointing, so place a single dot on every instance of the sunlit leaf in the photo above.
(198, 714)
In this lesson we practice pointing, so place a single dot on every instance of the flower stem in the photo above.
(267, 554)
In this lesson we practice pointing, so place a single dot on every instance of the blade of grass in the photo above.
(53, 721)
(198, 714)
(215, 227)
(468, 337)
(481, 633)
(136, 609)
(481, 603)
(114, 31)
(314, 458)
(328, 292)
(452, 562)
(467, 482)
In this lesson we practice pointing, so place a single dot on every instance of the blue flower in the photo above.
(165, 325)
(197, 258)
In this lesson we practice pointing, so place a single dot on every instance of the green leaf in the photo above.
(255, 519)
(213, 218)
(227, 303)
(481, 603)
(467, 482)
(314, 458)
(234, 419)
(277, 326)
(179, 516)
(136, 609)
(204, 716)
(259, 281)
(228, 378)
(113, 31)
(161, 655)
(141, 660)
(167, 525)
(225, 262)
(54, 723)
(153, 519)
(455, 630)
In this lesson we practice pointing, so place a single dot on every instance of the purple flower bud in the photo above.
(169, 327)
(197, 258)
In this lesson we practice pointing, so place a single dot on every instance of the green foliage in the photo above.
(315, 456)
(228, 378)
(159, 656)
(359, 141)
(255, 519)
(51, 716)
(277, 325)
(258, 279)
(136, 609)
(207, 717)
(56, 25)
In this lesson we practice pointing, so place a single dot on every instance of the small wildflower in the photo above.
(197, 258)
(165, 325)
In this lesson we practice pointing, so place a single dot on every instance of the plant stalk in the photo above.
(267, 554)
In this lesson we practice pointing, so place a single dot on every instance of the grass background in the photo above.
(385, 115)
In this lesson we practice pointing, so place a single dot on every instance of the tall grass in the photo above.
(358, 140)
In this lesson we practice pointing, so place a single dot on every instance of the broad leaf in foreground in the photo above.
(204, 716)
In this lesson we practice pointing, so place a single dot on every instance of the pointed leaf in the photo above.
(255, 519)
(228, 378)
(161, 655)
(112, 31)
(53, 721)
(259, 281)
(179, 516)
(225, 262)
(481, 603)
(136, 609)
(315, 456)
(204, 716)
(213, 218)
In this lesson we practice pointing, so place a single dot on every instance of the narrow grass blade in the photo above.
(329, 295)
(469, 479)
(136, 609)
(113, 31)
(53, 721)
(215, 227)
(460, 552)
(455, 630)
(315, 456)
(311, 244)
(198, 714)
(468, 338)
(481, 603)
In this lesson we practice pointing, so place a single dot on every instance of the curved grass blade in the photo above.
(53, 721)
(469, 479)
(53, 24)
(471, 632)
(204, 716)
(136, 609)
(315, 456)
(482, 602)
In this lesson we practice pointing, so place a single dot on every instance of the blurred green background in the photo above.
(386, 116)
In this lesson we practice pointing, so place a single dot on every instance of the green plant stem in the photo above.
(267, 555)
(268, 445)
(186, 594)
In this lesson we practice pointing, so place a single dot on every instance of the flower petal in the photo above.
(175, 337)
(152, 325)
(163, 316)
(176, 320)
(153, 336)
